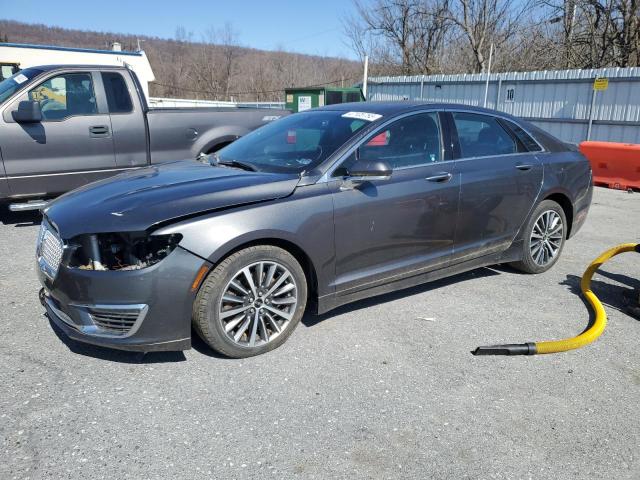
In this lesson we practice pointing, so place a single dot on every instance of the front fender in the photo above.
(304, 219)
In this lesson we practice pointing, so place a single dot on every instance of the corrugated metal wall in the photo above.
(557, 101)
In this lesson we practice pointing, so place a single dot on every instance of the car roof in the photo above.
(396, 107)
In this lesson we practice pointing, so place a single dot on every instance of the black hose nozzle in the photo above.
(510, 349)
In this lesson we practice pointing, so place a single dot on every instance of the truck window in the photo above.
(11, 85)
(118, 97)
(7, 70)
(65, 95)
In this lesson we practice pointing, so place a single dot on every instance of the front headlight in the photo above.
(120, 251)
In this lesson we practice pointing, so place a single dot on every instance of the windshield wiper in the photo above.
(214, 161)
(237, 164)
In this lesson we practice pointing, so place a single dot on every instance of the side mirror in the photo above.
(28, 112)
(367, 170)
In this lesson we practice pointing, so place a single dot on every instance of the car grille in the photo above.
(116, 321)
(49, 250)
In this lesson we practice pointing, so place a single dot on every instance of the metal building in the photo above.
(563, 102)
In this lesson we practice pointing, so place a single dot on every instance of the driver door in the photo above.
(386, 230)
(70, 147)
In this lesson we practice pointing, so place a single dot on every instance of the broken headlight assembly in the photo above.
(120, 251)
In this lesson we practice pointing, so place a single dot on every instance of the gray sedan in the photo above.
(309, 212)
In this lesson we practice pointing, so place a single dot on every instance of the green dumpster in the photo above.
(306, 98)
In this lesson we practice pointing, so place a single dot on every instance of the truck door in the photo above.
(127, 119)
(70, 147)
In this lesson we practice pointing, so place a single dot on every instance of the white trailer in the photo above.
(16, 56)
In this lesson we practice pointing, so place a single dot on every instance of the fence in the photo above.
(188, 103)
(562, 102)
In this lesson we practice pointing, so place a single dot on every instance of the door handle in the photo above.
(439, 177)
(99, 131)
(524, 166)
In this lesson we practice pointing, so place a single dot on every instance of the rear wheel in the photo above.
(544, 238)
(251, 302)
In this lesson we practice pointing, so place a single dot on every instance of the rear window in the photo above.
(529, 143)
(118, 98)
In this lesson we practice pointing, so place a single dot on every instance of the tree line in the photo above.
(212, 65)
(458, 36)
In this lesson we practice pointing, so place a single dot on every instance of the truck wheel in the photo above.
(251, 302)
(544, 237)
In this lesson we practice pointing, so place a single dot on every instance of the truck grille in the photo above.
(49, 250)
(116, 321)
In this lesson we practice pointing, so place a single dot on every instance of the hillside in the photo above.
(218, 68)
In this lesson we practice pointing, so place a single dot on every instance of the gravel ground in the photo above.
(383, 388)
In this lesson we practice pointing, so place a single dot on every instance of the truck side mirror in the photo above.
(28, 112)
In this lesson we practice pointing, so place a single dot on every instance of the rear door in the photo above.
(127, 119)
(500, 179)
(70, 147)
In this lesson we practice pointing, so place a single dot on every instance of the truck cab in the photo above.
(63, 126)
(57, 134)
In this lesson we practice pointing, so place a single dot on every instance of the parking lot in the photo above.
(383, 388)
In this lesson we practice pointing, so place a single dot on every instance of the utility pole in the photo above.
(486, 85)
(364, 78)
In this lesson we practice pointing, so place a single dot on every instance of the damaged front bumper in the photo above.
(142, 310)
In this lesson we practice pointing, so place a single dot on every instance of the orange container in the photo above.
(614, 165)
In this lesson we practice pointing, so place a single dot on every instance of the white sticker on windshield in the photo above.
(369, 117)
(20, 78)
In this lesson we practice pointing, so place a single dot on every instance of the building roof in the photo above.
(70, 49)
(541, 75)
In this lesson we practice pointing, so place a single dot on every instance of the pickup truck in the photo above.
(62, 127)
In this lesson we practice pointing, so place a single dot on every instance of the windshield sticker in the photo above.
(20, 78)
(369, 117)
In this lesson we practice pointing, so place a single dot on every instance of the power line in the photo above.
(255, 92)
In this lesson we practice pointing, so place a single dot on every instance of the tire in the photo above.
(538, 260)
(213, 314)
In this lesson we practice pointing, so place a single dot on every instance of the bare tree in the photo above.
(227, 39)
(406, 33)
(596, 33)
(482, 22)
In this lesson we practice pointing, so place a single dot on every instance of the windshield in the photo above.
(12, 84)
(297, 142)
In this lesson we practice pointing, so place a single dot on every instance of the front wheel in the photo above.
(544, 238)
(251, 302)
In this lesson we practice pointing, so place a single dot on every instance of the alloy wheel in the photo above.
(258, 303)
(546, 237)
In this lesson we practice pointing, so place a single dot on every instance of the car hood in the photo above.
(142, 198)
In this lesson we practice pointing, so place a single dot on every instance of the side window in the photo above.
(482, 136)
(7, 70)
(530, 145)
(118, 98)
(65, 95)
(408, 142)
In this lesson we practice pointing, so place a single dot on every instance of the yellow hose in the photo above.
(586, 337)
